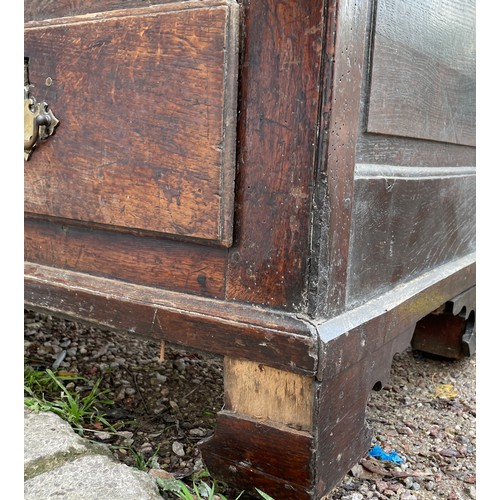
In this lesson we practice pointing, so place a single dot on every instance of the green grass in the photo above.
(45, 391)
(200, 490)
(140, 461)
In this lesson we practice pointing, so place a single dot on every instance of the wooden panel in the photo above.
(146, 101)
(143, 260)
(391, 150)
(407, 221)
(423, 73)
(249, 453)
(276, 146)
(44, 9)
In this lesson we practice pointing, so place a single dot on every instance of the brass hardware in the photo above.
(39, 121)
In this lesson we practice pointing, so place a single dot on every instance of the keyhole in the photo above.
(26, 72)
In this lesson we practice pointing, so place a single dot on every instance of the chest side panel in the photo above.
(414, 179)
(423, 70)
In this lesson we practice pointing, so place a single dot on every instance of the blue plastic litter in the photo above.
(380, 454)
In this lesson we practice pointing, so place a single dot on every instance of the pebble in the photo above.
(126, 434)
(178, 449)
(352, 496)
(146, 448)
(71, 352)
(161, 378)
(180, 364)
(197, 432)
(407, 496)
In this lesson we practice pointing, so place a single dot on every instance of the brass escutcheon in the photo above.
(39, 121)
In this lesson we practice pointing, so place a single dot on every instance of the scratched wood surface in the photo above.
(280, 67)
(134, 258)
(407, 221)
(423, 70)
(146, 102)
(45, 9)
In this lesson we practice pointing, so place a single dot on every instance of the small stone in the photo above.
(415, 486)
(408, 482)
(161, 378)
(434, 430)
(178, 449)
(180, 364)
(407, 496)
(126, 434)
(394, 486)
(72, 352)
(352, 496)
(196, 432)
(103, 436)
(162, 474)
(429, 485)
(146, 448)
(129, 391)
(406, 431)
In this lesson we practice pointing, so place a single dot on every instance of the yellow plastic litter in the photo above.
(445, 391)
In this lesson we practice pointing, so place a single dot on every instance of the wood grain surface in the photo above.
(274, 338)
(46, 9)
(280, 65)
(134, 258)
(423, 70)
(406, 221)
(341, 84)
(249, 453)
(146, 100)
(267, 394)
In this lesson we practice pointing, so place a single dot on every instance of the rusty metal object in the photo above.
(449, 331)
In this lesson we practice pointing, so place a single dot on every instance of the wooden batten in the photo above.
(265, 393)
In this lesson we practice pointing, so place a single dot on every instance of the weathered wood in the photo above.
(356, 353)
(46, 9)
(378, 321)
(147, 104)
(236, 330)
(281, 58)
(390, 150)
(265, 393)
(252, 454)
(134, 258)
(407, 221)
(449, 331)
(344, 237)
(342, 82)
(423, 70)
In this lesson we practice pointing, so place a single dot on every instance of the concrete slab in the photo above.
(92, 477)
(58, 463)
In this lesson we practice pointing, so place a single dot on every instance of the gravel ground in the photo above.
(426, 412)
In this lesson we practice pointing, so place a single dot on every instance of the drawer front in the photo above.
(146, 100)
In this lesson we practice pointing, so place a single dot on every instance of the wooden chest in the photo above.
(289, 184)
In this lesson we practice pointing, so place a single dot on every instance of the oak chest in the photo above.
(288, 184)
